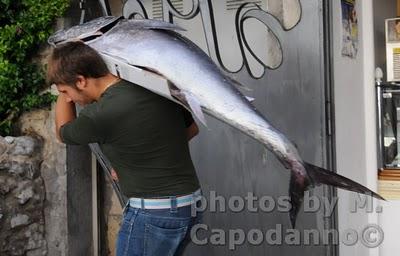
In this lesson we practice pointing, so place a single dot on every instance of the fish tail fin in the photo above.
(296, 194)
(322, 176)
(318, 176)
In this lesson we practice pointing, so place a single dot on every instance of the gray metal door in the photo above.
(280, 54)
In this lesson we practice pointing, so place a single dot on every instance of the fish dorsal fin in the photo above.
(151, 24)
(89, 29)
(189, 101)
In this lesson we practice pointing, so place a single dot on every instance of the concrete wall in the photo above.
(355, 121)
(390, 222)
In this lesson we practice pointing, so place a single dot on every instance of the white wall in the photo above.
(390, 222)
(355, 121)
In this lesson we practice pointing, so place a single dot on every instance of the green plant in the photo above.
(24, 26)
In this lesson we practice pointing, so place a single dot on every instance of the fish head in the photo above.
(86, 31)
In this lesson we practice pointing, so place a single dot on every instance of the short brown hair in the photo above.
(71, 59)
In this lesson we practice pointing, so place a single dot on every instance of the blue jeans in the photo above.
(155, 232)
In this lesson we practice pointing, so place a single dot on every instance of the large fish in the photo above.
(198, 83)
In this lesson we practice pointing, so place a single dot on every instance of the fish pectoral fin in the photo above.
(189, 101)
(195, 107)
(323, 176)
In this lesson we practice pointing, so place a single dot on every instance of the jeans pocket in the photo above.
(128, 219)
(160, 241)
(125, 232)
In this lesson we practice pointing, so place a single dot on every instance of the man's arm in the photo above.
(192, 131)
(191, 127)
(65, 112)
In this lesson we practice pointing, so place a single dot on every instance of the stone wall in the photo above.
(112, 212)
(23, 194)
(33, 214)
(54, 173)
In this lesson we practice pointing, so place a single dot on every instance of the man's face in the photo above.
(73, 94)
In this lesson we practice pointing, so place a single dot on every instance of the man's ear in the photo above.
(81, 82)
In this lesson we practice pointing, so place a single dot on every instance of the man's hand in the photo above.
(65, 112)
(114, 175)
(192, 131)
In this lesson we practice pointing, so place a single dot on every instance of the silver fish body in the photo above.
(194, 73)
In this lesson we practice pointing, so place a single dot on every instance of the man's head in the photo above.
(75, 67)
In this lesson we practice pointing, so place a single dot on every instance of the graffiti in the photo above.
(278, 17)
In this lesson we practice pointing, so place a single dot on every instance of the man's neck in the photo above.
(104, 83)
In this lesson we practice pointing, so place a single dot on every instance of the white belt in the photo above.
(165, 203)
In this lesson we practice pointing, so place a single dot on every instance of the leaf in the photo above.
(24, 26)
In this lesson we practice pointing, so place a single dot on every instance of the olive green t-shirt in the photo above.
(144, 137)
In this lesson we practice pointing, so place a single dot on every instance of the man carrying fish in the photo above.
(145, 137)
(197, 83)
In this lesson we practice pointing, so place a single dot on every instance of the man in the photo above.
(145, 137)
